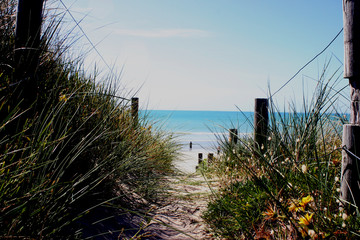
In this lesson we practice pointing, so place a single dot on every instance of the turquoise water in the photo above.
(201, 127)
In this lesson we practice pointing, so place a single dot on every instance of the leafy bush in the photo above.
(288, 187)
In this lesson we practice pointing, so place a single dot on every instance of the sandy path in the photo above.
(179, 217)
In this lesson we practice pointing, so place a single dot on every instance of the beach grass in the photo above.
(75, 149)
(289, 187)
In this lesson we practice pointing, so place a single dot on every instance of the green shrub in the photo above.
(296, 173)
(239, 208)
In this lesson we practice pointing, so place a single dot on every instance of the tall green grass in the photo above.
(75, 151)
(289, 187)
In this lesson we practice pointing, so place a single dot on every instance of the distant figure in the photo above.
(218, 150)
(190, 145)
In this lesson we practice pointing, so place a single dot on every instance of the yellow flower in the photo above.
(292, 207)
(295, 207)
(306, 219)
(63, 98)
(306, 200)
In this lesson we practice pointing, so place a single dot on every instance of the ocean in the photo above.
(202, 128)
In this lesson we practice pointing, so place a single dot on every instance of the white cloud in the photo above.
(162, 33)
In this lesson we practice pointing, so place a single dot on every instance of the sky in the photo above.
(208, 54)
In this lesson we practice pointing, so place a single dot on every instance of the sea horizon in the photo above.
(202, 128)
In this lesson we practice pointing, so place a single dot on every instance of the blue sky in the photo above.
(210, 54)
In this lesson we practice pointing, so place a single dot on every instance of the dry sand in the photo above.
(187, 161)
(179, 216)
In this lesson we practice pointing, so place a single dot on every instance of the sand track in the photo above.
(179, 216)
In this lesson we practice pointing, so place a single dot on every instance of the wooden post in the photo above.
(351, 17)
(349, 190)
(200, 158)
(27, 40)
(233, 136)
(135, 108)
(261, 122)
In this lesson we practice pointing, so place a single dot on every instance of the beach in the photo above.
(179, 215)
(202, 129)
(188, 158)
(187, 162)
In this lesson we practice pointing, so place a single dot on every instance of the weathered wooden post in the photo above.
(27, 46)
(261, 122)
(349, 190)
(200, 158)
(233, 136)
(135, 109)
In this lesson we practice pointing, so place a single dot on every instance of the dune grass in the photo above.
(289, 187)
(74, 150)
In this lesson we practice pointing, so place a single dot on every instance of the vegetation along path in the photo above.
(179, 217)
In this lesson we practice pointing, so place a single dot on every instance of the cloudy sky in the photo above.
(209, 54)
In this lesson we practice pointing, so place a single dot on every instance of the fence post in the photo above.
(349, 190)
(261, 122)
(135, 108)
(200, 158)
(351, 17)
(27, 43)
(233, 136)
